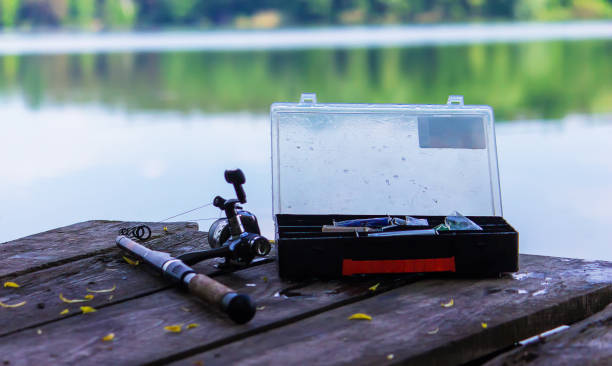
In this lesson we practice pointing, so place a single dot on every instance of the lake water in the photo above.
(142, 136)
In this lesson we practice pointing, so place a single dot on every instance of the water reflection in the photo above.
(69, 164)
(139, 136)
(72, 164)
(525, 80)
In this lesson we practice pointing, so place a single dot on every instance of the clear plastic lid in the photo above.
(384, 159)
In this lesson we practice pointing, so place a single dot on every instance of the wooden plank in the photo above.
(546, 293)
(41, 289)
(588, 342)
(69, 243)
(138, 323)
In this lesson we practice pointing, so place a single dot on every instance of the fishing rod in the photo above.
(228, 239)
(239, 307)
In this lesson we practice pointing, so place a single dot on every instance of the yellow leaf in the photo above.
(192, 325)
(373, 288)
(11, 284)
(185, 309)
(64, 312)
(390, 356)
(39, 331)
(110, 297)
(173, 328)
(433, 331)
(69, 301)
(89, 296)
(483, 325)
(360, 316)
(448, 304)
(165, 228)
(134, 263)
(102, 291)
(87, 309)
(108, 337)
(13, 305)
(259, 308)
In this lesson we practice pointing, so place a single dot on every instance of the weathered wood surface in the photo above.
(297, 322)
(41, 289)
(588, 342)
(70, 243)
(547, 292)
(140, 321)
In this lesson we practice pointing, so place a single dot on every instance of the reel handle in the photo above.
(219, 202)
(236, 177)
(239, 307)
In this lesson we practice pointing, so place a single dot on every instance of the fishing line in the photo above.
(206, 219)
(186, 212)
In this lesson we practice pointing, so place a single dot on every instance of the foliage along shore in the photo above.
(96, 15)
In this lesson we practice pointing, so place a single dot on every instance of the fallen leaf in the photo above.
(108, 337)
(39, 331)
(69, 301)
(187, 310)
(110, 297)
(373, 288)
(165, 228)
(448, 304)
(260, 308)
(13, 305)
(173, 328)
(102, 291)
(192, 325)
(133, 263)
(265, 279)
(483, 325)
(64, 312)
(360, 316)
(11, 284)
(433, 331)
(87, 309)
(390, 356)
(89, 296)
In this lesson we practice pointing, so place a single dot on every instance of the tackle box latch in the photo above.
(454, 100)
(308, 98)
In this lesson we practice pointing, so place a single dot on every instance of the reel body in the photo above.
(236, 237)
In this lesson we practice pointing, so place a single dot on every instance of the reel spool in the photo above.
(220, 232)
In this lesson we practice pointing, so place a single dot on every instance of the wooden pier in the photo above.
(415, 319)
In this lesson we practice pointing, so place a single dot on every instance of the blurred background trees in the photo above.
(152, 14)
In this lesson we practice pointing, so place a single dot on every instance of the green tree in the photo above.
(180, 9)
(9, 12)
(120, 13)
(84, 12)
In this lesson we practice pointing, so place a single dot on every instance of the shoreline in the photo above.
(301, 38)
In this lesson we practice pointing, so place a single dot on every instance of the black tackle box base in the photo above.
(305, 251)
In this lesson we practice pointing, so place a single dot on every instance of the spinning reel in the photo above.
(236, 237)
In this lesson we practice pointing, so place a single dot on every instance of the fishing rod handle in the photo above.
(239, 307)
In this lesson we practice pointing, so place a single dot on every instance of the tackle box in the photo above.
(334, 162)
